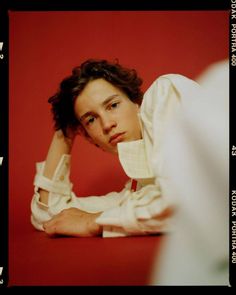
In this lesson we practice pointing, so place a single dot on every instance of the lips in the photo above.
(118, 137)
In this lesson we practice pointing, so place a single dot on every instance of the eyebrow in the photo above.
(104, 103)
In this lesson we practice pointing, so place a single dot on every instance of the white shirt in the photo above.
(127, 212)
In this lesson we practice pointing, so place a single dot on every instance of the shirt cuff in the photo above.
(119, 221)
(60, 182)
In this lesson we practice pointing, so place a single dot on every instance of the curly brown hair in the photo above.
(62, 103)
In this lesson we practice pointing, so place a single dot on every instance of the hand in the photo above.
(73, 222)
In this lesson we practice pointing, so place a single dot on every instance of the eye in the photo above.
(90, 120)
(114, 105)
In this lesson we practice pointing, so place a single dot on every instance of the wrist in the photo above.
(95, 229)
(60, 137)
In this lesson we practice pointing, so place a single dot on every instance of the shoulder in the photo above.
(168, 88)
(175, 80)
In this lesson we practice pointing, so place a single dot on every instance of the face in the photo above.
(107, 115)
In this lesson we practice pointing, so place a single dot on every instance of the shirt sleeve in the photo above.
(62, 197)
(142, 212)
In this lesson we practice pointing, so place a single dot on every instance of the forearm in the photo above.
(60, 145)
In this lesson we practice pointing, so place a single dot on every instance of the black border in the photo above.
(117, 5)
(99, 5)
(4, 146)
(232, 143)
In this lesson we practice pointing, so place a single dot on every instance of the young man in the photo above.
(103, 102)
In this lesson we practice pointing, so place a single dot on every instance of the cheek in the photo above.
(132, 118)
(134, 125)
(133, 111)
(95, 135)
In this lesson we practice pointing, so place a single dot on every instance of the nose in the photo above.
(107, 123)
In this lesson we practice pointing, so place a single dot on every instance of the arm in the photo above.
(115, 214)
(60, 145)
(139, 213)
(82, 224)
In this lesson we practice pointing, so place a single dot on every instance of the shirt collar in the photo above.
(133, 159)
(133, 156)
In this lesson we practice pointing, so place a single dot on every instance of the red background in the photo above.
(45, 46)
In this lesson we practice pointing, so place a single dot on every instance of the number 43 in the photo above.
(233, 150)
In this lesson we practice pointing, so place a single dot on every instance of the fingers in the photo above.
(50, 227)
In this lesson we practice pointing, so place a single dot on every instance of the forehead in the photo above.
(99, 87)
(95, 93)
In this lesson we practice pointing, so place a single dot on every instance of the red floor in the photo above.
(37, 260)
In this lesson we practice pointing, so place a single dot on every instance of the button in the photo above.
(62, 177)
